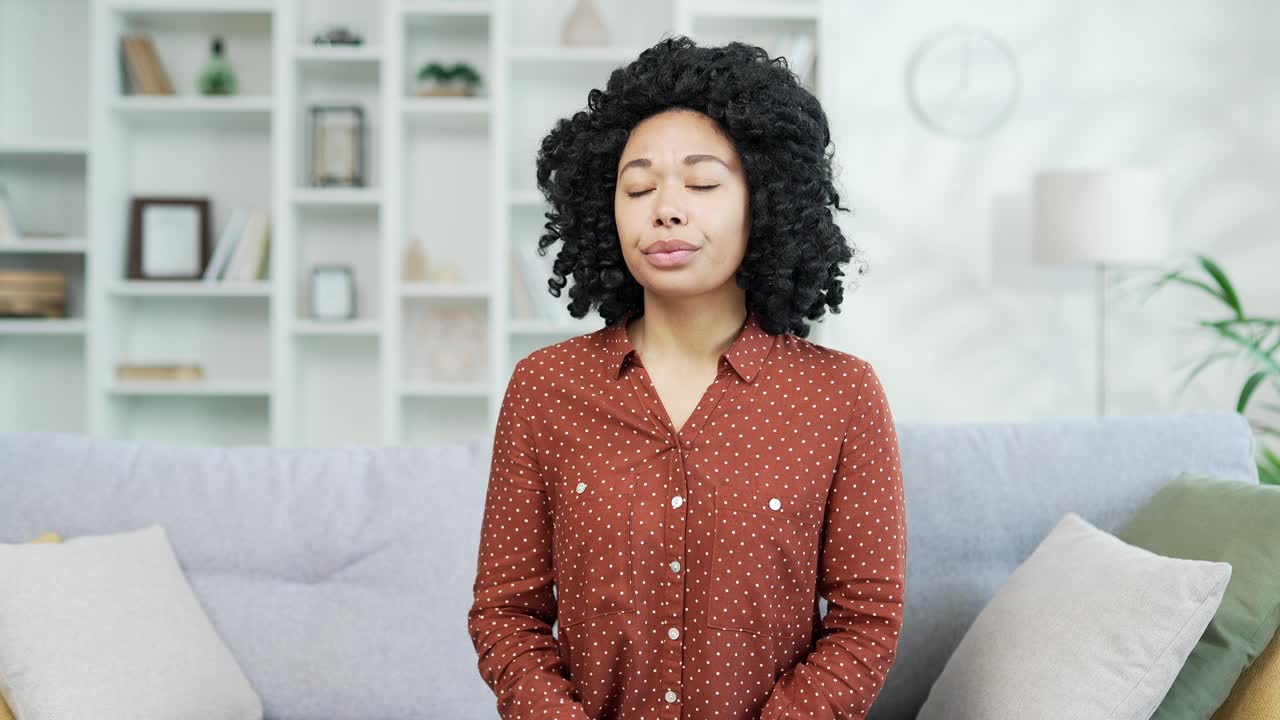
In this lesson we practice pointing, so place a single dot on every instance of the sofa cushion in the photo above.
(1199, 517)
(1088, 626)
(1256, 694)
(107, 627)
(5, 712)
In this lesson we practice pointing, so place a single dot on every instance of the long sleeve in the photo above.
(513, 609)
(862, 573)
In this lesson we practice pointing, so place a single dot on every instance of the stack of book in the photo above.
(242, 250)
(141, 71)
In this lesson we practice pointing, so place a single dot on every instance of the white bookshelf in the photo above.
(456, 173)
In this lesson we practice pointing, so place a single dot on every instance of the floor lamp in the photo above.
(1100, 218)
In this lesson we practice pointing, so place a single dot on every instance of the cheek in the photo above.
(625, 218)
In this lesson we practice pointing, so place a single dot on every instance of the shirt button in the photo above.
(581, 486)
(673, 633)
(775, 504)
(675, 566)
(677, 501)
(671, 696)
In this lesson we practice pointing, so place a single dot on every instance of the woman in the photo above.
(678, 489)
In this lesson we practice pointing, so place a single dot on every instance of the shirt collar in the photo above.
(746, 355)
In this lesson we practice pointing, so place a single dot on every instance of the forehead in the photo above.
(675, 134)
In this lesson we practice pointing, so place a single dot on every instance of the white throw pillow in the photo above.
(107, 627)
(1087, 627)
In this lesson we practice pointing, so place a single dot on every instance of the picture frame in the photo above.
(337, 152)
(168, 238)
(333, 292)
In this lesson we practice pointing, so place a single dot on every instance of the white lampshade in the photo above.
(1100, 217)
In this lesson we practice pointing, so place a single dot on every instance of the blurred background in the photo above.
(306, 222)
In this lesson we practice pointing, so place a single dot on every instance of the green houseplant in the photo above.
(439, 79)
(1253, 338)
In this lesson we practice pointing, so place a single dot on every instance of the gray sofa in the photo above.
(341, 578)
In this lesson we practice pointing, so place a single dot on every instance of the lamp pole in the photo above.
(1101, 343)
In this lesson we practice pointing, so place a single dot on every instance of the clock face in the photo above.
(963, 82)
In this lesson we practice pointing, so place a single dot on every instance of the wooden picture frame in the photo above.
(337, 146)
(168, 238)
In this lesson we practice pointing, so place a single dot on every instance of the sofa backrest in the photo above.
(340, 578)
(981, 497)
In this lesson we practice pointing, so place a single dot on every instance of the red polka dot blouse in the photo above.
(683, 569)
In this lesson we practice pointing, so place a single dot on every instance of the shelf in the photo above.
(444, 389)
(337, 196)
(337, 54)
(42, 326)
(555, 53)
(192, 104)
(191, 288)
(478, 106)
(759, 10)
(184, 388)
(444, 290)
(60, 246)
(426, 8)
(551, 327)
(311, 327)
(44, 148)
(193, 7)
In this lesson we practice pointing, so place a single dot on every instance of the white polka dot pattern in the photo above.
(683, 568)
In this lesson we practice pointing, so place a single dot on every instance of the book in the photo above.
(160, 79)
(145, 73)
(9, 233)
(159, 371)
(126, 80)
(247, 258)
(227, 242)
(135, 61)
(264, 267)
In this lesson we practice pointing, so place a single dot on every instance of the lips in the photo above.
(669, 245)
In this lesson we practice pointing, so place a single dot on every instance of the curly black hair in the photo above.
(791, 268)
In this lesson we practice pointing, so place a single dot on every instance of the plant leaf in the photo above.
(1201, 366)
(1228, 292)
(1247, 391)
(1267, 362)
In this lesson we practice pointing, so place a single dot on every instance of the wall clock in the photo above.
(963, 81)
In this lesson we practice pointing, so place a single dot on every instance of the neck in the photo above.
(676, 334)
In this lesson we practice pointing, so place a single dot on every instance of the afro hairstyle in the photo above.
(791, 270)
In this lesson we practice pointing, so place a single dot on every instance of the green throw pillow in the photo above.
(1203, 518)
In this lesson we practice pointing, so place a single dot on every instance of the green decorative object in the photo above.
(436, 78)
(1254, 339)
(217, 77)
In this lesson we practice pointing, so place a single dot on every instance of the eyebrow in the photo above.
(688, 160)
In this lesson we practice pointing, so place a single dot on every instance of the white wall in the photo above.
(958, 322)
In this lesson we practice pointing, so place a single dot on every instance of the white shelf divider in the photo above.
(59, 246)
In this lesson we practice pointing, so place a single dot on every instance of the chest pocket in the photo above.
(592, 538)
(764, 559)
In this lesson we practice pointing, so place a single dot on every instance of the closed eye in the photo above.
(703, 188)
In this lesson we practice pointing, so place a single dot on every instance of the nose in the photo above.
(668, 215)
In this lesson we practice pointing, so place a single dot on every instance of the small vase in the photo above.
(217, 77)
(584, 27)
(415, 262)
